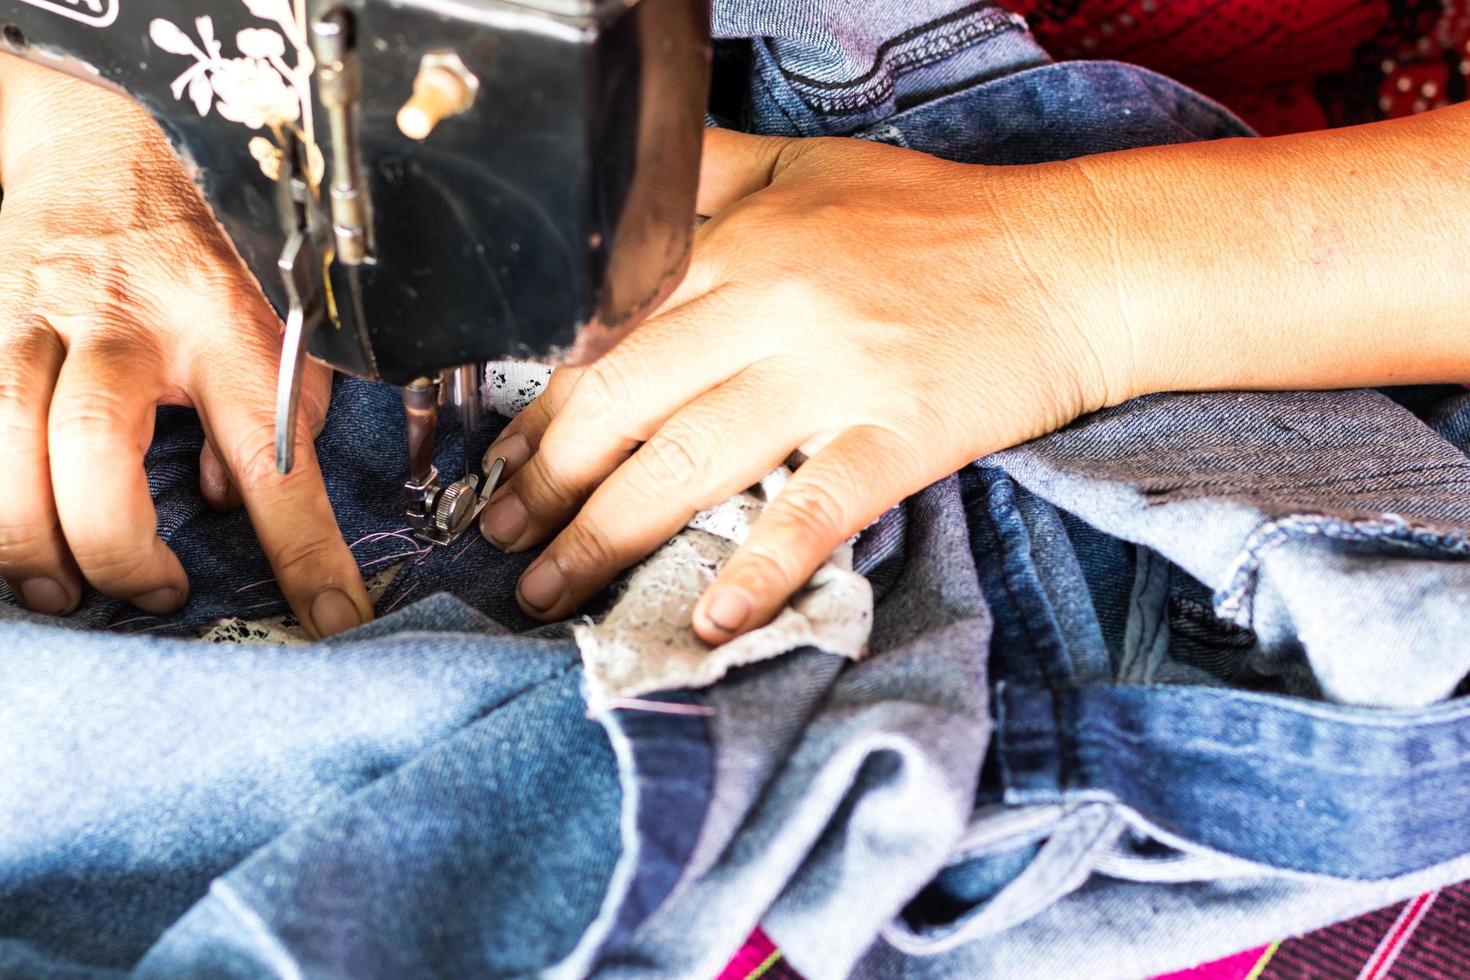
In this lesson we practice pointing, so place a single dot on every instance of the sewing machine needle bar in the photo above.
(421, 409)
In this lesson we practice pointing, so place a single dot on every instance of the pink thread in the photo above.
(656, 707)
(403, 595)
(379, 561)
(461, 551)
(402, 534)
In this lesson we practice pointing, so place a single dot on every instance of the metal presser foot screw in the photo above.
(456, 506)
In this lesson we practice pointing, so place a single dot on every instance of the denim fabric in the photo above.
(362, 455)
(1096, 731)
(832, 66)
(1244, 549)
(836, 794)
(311, 793)
(1328, 523)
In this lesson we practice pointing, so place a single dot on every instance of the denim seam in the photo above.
(1063, 761)
(873, 94)
(1101, 735)
(1071, 852)
(1458, 711)
(1235, 600)
(986, 23)
(1006, 578)
(901, 42)
(1144, 639)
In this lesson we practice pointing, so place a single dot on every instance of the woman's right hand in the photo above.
(120, 293)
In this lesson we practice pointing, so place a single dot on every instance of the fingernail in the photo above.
(514, 447)
(45, 595)
(160, 601)
(542, 586)
(727, 610)
(332, 613)
(504, 521)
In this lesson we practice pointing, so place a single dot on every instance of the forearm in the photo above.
(1329, 259)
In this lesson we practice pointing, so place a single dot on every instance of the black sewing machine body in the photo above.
(561, 196)
(419, 186)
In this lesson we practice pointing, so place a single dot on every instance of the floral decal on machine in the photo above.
(258, 88)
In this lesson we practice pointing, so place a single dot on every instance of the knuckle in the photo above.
(252, 457)
(115, 345)
(100, 418)
(112, 563)
(544, 488)
(30, 338)
(301, 560)
(557, 389)
(605, 389)
(27, 360)
(24, 543)
(815, 509)
(585, 546)
(672, 458)
(765, 571)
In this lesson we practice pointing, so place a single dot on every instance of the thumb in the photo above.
(735, 166)
(834, 495)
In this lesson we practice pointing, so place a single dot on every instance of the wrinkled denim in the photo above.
(1152, 689)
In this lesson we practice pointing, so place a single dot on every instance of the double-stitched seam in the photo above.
(893, 58)
(1105, 733)
(1057, 730)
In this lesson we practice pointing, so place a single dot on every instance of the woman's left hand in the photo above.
(890, 315)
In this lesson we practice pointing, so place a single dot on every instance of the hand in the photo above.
(119, 293)
(890, 315)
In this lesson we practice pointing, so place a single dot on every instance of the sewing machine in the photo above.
(419, 186)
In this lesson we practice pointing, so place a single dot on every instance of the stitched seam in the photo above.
(912, 34)
(1101, 733)
(1162, 498)
(884, 88)
(1234, 601)
(1056, 735)
(875, 91)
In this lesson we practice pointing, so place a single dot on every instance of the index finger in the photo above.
(290, 512)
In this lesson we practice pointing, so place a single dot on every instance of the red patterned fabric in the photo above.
(1424, 938)
(1282, 65)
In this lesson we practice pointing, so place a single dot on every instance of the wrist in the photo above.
(1147, 304)
(1066, 233)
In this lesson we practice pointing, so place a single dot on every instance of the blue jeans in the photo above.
(1100, 728)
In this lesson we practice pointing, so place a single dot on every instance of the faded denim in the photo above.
(1117, 716)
